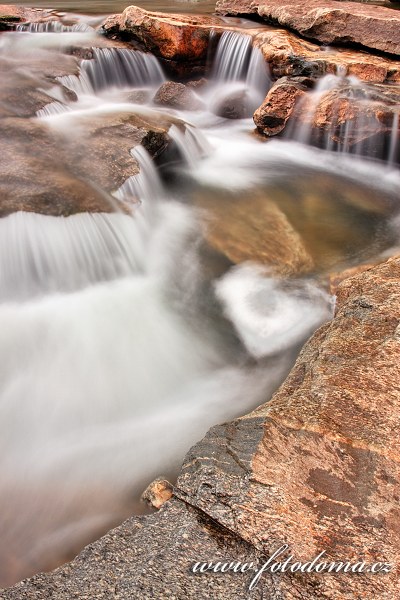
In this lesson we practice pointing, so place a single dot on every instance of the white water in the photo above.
(394, 140)
(53, 27)
(304, 131)
(116, 67)
(270, 315)
(110, 367)
(238, 68)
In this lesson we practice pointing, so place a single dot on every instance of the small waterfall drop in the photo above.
(40, 254)
(53, 27)
(146, 186)
(191, 144)
(53, 108)
(233, 57)
(339, 116)
(116, 67)
(394, 139)
(240, 72)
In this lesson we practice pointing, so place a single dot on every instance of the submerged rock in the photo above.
(376, 28)
(250, 227)
(315, 468)
(234, 105)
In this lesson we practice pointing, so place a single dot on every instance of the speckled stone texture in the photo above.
(316, 468)
(328, 21)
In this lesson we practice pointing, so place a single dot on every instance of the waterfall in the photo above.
(233, 57)
(116, 67)
(191, 143)
(40, 254)
(236, 60)
(347, 124)
(146, 185)
(53, 108)
(239, 70)
(53, 27)
(394, 139)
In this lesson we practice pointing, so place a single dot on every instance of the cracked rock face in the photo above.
(316, 468)
(328, 21)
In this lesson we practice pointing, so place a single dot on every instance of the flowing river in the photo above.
(126, 335)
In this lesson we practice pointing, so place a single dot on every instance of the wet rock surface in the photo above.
(315, 468)
(365, 120)
(271, 117)
(290, 55)
(328, 21)
(177, 95)
(81, 170)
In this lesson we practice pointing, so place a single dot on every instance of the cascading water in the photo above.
(116, 67)
(341, 114)
(394, 139)
(111, 366)
(239, 73)
(53, 27)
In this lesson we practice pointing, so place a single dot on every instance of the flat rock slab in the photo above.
(316, 468)
(328, 21)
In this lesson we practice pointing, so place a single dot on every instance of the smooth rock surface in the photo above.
(249, 227)
(177, 95)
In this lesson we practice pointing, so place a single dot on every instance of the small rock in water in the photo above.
(157, 493)
(234, 106)
(177, 95)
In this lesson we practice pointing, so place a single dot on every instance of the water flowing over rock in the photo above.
(315, 468)
(83, 170)
(119, 67)
(175, 38)
(240, 76)
(346, 115)
(328, 21)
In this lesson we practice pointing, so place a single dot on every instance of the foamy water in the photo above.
(111, 366)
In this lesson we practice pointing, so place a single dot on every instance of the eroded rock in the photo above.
(271, 117)
(173, 37)
(329, 22)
